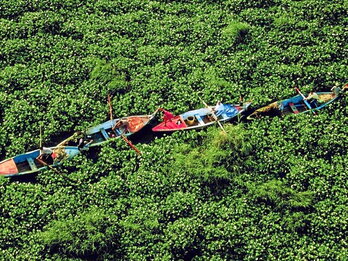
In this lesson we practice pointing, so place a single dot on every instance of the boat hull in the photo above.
(28, 163)
(103, 132)
(294, 105)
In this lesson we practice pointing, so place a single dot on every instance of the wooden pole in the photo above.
(214, 115)
(110, 107)
(305, 101)
(131, 144)
(45, 164)
(40, 136)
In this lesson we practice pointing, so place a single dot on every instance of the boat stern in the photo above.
(8, 168)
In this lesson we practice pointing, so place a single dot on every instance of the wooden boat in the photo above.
(116, 128)
(200, 118)
(36, 160)
(295, 105)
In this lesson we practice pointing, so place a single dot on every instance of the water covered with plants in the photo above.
(271, 189)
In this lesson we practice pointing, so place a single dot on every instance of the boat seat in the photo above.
(293, 108)
(199, 119)
(31, 164)
(314, 103)
(105, 135)
(224, 116)
(117, 132)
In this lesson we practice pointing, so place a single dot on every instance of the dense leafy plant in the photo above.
(270, 189)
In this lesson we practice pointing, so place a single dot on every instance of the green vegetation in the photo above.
(272, 189)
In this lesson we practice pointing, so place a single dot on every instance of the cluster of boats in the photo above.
(43, 158)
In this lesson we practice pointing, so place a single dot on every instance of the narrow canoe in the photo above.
(105, 131)
(200, 118)
(30, 162)
(294, 105)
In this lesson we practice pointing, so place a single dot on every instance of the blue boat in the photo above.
(36, 160)
(295, 105)
(116, 128)
(200, 118)
(111, 129)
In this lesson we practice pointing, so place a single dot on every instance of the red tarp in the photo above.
(174, 124)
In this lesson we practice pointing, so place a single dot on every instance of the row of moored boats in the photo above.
(43, 158)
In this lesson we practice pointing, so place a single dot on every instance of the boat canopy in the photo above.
(229, 110)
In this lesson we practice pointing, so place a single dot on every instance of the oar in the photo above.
(47, 165)
(40, 143)
(55, 170)
(122, 135)
(131, 144)
(304, 100)
(214, 115)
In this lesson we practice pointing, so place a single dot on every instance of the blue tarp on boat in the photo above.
(227, 109)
